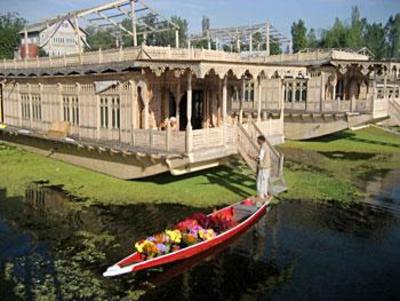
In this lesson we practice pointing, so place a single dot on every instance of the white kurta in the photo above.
(262, 178)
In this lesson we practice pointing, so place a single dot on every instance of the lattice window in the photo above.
(104, 112)
(112, 105)
(66, 109)
(71, 109)
(36, 108)
(25, 106)
(115, 113)
(249, 91)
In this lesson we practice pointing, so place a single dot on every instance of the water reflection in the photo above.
(55, 250)
(384, 191)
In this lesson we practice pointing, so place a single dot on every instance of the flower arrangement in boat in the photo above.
(188, 232)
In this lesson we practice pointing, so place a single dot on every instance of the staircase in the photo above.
(394, 112)
(248, 149)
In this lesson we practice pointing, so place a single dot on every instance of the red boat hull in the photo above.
(134, 262)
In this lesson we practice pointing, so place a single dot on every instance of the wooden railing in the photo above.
(121, 55)
(161, 141)
(247, 147)
(319, 54)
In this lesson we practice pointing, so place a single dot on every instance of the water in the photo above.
(300, 251)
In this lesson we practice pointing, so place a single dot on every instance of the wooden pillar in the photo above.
(224, 98)
(282, 101)
(334, 92)
(176, 38)
(30, 105)
(133, 17)
(19, 101)
(146, 114)
(189, 137)
(177, 104)
(238, 42)
(385, 85)
(242, 100)
(259, 105)
(286, 88)
(79, 96)
(78, 36)
(322, 96)
(267, 40)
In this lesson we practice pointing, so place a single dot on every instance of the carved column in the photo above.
(30, 106)
(322, 96)
(77, 107)
(19, 101)
(146, 114)
(177, 103)
(242, 100)
(189, 137)
(259, 91)
(224, 98)
(287, 92)
(385, 84)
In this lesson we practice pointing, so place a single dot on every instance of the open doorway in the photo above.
(197, 110)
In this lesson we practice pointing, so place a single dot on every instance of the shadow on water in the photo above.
(51, 249)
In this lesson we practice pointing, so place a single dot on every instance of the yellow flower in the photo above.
(140, 245)
(174, 235)
(206, 234)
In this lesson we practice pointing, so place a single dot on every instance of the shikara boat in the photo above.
(244, 214)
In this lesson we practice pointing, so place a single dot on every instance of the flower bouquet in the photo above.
(188, 232)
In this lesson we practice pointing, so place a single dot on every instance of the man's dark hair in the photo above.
(261, 138)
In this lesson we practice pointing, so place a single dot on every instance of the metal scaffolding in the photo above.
(113, 15)
(242, 35)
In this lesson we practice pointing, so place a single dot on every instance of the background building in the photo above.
(54, 37)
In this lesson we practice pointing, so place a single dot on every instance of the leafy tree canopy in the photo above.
(10, 25)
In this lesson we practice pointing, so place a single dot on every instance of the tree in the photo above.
(299, 38)
(205, 24)
(375, 40)
(354, 35)
(393, 36)
(312, 41)
(100, 38)
(164, 38)
(168, 37)
(274, 47)
(10, 26)
(336, 36)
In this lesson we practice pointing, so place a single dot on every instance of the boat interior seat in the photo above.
(241, 212)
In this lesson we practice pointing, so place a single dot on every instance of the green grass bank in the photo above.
(330, 168)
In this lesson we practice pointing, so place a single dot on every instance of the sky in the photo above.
(318, 14)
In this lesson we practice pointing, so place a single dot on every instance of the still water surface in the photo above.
(299, 251)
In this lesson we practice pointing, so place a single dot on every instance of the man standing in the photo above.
(263, 168)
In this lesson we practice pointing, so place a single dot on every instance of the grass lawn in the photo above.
(208, 188)
(336, 167)
(330, 168)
